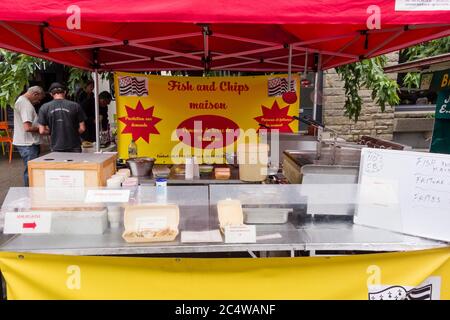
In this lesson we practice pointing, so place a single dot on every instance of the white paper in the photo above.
(64, 178)
(379, 191)
(99, 196)
(27, 222)
(422, 5)
(240, 234)
(201, 236)
(151, 223)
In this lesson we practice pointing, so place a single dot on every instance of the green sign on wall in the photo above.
(443, 105)
(437, 81)
(441, 133)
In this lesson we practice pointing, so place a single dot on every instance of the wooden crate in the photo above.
(89, 169)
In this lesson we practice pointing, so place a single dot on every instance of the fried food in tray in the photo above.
(151, 235)
(151, 223)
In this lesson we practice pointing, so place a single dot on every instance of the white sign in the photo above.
(240, 234)
(27, 222)
(422, 5)
(101, 196)
(405, 191)
(64, 178)
(151, 223)
(201, 236)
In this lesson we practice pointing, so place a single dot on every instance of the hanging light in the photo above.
(306, 83)
(290, 97)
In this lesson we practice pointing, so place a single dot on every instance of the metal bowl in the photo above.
(141, 167)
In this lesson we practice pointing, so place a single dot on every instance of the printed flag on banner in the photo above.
(133, 86)
(279, 85)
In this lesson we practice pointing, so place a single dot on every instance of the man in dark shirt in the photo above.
(88, 105)
(63, 120)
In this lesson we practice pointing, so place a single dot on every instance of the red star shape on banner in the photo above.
(275, 118)
(140, 122)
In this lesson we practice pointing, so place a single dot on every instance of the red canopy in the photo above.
(216, 34)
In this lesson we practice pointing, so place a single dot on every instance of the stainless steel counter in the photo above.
(330, 236)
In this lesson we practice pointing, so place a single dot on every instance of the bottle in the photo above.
(189, 169)
(132, 150)
(196, 168)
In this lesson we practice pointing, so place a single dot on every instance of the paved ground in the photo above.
(11, 174)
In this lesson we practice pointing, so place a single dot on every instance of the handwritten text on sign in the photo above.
(432, 182)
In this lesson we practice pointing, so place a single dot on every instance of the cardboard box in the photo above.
(71, 170)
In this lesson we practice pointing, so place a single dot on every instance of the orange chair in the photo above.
(6, 139)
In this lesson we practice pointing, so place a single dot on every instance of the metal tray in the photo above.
(266, 215)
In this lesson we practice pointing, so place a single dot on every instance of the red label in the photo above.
(140, 122)
(276, 118)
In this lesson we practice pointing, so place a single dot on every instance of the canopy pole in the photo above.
(305, 70)
(97, 109)
(290, 67)
(206, 56)
(316, 88)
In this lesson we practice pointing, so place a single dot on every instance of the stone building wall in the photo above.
(371, 122)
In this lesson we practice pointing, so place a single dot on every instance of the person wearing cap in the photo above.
(63, 120)
(26, 137)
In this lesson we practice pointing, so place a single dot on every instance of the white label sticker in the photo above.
(27, 222)
(151, 223)
(99, 196)
(422, 5)
(64, 179)
(201, 236)
(240, 234)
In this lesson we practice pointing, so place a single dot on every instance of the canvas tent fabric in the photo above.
(148, 35)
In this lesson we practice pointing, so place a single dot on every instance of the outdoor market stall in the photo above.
(307, 36)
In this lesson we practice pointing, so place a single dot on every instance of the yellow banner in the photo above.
(168, 115)
(417, 275)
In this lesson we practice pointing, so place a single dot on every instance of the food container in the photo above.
(161, 171)
(161, 182)
(222, 173)
(130, 182)
(206, 169)
(79, 222)
(230, 213)
(114, 215)
(141, 167)
(253, 161)
(124, 172)
(114, 182)
(266, 215)
(151, 223)
(179, 170)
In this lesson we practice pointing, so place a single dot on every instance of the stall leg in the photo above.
(97, 111)
(252, 254)
(2, 287)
